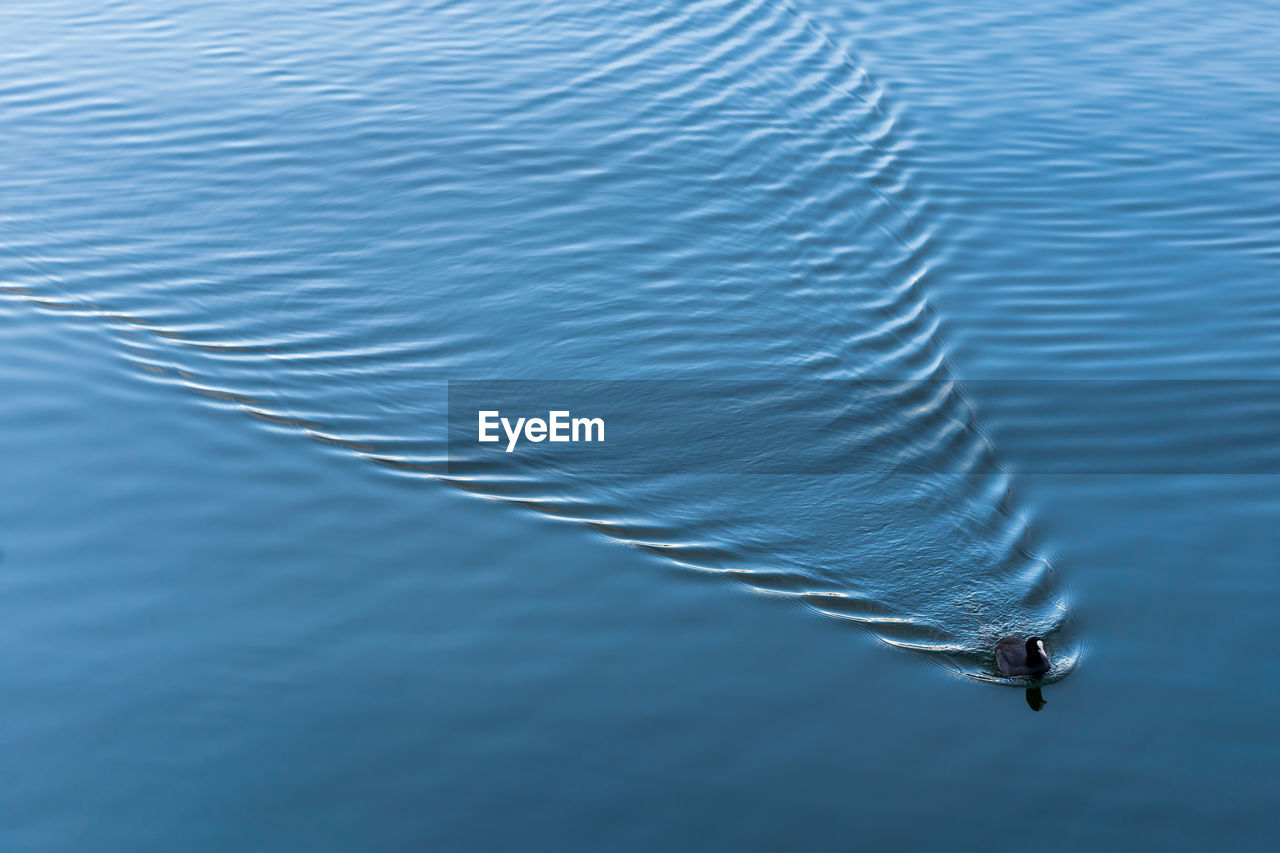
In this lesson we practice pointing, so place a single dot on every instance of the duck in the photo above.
(1015, 656)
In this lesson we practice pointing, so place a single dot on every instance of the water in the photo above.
(249, 602)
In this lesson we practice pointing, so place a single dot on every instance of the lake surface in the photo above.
(255, 597)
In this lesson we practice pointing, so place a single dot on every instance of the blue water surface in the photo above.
(248, 603)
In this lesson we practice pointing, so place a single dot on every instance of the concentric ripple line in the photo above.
(710, 189)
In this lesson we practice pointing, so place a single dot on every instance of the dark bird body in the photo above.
(1014, 656)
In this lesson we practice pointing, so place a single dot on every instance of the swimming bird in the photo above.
(1015, 657)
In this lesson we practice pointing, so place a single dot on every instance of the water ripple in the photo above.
(321, 230)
